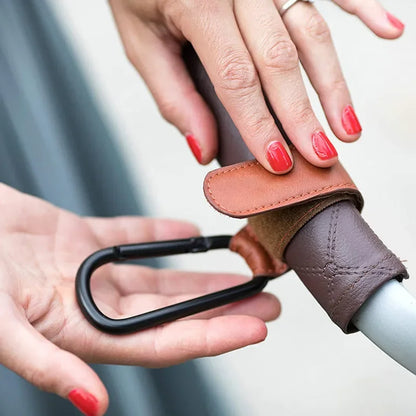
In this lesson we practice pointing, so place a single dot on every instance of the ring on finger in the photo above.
(288, 4)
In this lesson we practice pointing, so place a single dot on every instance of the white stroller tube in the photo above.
(388, 318)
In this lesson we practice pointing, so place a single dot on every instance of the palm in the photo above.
(43, 247)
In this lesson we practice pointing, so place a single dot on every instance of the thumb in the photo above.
(26, 352)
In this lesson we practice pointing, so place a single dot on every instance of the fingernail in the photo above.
(194, 146)
(322, 146)
(84, 401)
(395, 21)
(350, 121)
(278, 157)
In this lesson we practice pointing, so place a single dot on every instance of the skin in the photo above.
(45, 338)
(246, 48)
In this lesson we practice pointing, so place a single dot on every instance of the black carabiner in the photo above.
(168, 313)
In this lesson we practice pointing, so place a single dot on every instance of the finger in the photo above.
(158, 59)
(26, 212)
(276, 59)
(175, 342)
(132, 279)
(128, 230)
(311, 35)
(228, 63)
(187, 340)
(373, 15)
(26, 352)
(264, 306)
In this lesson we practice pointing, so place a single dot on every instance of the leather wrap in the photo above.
(341, 261)
(331, 248)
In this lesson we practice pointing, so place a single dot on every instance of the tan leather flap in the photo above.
(247, 189)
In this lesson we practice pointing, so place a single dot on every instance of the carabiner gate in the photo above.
(168, 313)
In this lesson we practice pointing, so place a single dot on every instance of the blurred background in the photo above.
(306, 365)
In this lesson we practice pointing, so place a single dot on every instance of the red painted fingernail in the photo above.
(194, 146)
(84, 401)
(278, 157)
(350, 121)
(322, 146)
(395, 21)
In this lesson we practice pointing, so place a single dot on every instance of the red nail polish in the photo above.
(322, 146)
(194, 146)
(395, 21)
(350, 121)
(84, 401)
(278, 157)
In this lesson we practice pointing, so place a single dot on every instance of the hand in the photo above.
(46, 339)
(247, 47)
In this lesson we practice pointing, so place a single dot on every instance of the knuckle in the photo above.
(177, 9)
(338, 85)
(174, 7)
(40, 377)
(302, 112)
(185, 11)
(260, 126)
(168, 109)
(280, 53)
(236, 72)
(317, 29)
(207, 8)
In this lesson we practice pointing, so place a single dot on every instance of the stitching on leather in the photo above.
(277, 203)
(353, 284)
(333, 250)
(328, 284)
(271, 205)
(308, 269)
(348, 270)
(334, 234)
(330, 280)
(347, 273)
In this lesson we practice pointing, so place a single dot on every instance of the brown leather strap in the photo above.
(246, 189)
(279, 203)
(260, 261)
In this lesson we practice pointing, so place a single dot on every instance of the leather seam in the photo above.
(330, 255)
(334, 250)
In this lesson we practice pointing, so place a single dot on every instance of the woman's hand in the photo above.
(46, 339)
(247, 48)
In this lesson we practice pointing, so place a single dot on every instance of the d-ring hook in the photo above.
(168, 313)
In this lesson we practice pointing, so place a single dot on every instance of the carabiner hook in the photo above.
(168, 313)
